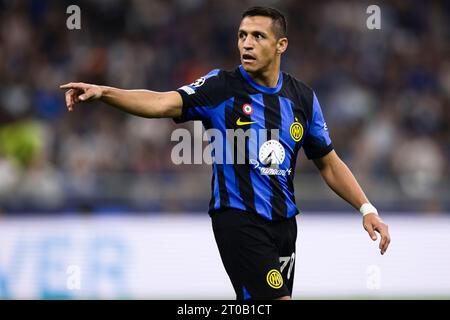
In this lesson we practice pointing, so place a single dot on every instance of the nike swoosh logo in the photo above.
(242, 123)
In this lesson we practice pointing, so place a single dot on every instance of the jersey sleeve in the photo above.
(201, 96)
(317, 142)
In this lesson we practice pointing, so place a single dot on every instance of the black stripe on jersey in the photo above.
(272, 116)
(212, 201)
(222, 187)
(207, 123)
(242, 171)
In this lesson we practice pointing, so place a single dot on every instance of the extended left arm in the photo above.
(341, 180)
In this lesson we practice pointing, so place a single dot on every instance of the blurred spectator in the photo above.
(419, 165)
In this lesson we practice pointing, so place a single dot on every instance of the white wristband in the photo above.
(367, 208)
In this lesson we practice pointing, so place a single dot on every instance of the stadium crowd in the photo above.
(385, 94)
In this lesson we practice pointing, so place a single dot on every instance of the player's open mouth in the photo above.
(248, 58)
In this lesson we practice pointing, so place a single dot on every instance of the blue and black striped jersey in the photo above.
(277, 122)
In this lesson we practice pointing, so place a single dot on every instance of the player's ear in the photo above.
(282, 45)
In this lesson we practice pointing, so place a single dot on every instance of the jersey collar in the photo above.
(257, 86)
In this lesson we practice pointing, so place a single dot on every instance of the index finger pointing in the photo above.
(67, 86)
(73, 85)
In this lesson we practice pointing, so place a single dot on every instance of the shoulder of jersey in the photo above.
(232, 78)
(222, 74)
(298, 84)
(230, 74)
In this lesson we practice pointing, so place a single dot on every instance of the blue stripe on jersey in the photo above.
(260, 87)
(287, 118)
(261, 183)
(212, 73)
(200, 112)
(246, 294)
(219, 172)
(216, 188)
(317, 127)
(233, 197)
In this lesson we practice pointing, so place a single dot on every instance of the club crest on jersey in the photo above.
(247, 109)
(296, 131)
(274, 279)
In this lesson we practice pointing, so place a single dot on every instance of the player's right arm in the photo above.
(143, 103)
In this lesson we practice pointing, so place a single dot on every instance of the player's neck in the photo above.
(267, 77)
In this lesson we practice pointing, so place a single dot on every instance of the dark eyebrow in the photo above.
(256, 32)
(259, 32)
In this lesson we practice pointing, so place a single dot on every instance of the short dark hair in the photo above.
(278, 19)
